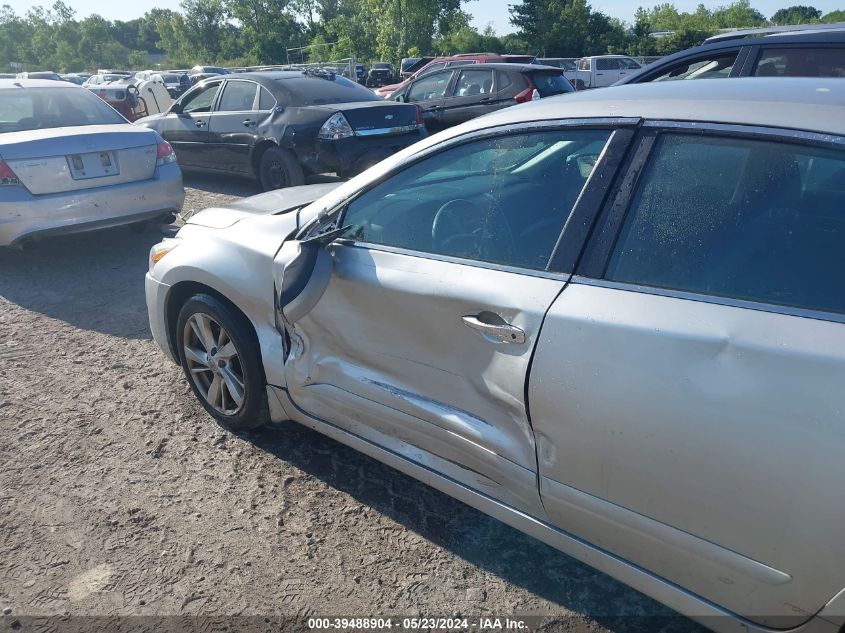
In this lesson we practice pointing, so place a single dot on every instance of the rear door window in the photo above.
(801, 62)
(739, 218)
(603, 63)
(473, 82)
(238, 96)
(266, 101)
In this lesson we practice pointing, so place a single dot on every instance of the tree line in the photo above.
(253, 32)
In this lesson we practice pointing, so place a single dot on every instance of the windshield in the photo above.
(42, 108)
(305, 91)
(169, 78)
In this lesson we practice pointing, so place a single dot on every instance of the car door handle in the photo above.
(200, 123)
(485, 100)
(248, 122)
(494, 332)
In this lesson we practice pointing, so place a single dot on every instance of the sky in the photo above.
(484, 12)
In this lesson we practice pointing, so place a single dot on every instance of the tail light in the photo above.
(420, 118)
(529, 94)
(8, 178)
(165, 153)
(337, 127)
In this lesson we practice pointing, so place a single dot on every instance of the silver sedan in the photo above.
(614, 320)
(69, 163)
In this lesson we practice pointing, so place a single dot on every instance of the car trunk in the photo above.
(369, 118)
(73, 158)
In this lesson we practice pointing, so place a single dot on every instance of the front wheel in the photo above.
(279, 168)
(222, 362)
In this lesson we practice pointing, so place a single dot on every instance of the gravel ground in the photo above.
(119, 496)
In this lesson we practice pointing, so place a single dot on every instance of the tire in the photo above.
(279, 168)
(230, 367)
(579, 84)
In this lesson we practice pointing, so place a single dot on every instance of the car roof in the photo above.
(36, 83)
(775, 39)
(810, 104)
(521, 67)
(774, 30)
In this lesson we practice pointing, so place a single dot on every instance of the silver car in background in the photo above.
(614, 320)
(70, 163)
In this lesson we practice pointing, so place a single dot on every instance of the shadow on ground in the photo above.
(480, 540)
(93, 281)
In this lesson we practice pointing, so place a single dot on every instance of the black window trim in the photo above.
(592, 268)
(562, 260)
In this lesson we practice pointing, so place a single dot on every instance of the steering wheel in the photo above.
(463, 229)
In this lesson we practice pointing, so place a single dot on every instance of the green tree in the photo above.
(797, 14)
(834, 16)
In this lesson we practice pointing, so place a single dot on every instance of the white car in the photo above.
(70, 163)
(612, 319)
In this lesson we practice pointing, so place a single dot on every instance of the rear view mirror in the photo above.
(400, 98)
(176, 108)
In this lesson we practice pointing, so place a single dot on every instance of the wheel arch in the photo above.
(258, 151)
(181, 293)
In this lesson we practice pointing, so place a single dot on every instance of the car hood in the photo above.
(278, 202)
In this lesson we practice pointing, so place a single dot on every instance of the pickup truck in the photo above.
(601, 71)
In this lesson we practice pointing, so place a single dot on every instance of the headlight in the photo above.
(161, 249)
(335, 128)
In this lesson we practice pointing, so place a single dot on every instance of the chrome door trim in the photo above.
(788, 135)
(530, 272)
(804, 313)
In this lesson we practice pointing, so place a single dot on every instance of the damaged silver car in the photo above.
(614, 320)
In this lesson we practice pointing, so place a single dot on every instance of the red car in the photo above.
(464, 59)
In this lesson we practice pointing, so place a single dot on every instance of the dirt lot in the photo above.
(119, 496)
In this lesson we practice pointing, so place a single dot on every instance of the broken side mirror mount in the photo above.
(303, 269)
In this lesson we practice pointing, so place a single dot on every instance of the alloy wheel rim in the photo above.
(214, 363)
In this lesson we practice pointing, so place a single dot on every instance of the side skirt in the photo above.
(673, 596)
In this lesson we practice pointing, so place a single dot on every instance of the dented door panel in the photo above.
(703, 442)
(386, 346)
